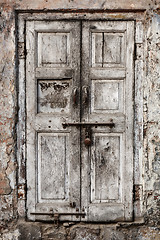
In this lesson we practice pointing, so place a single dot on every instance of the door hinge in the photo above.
(21, 191)
(137, 193)
(138, 51)
(21, 50)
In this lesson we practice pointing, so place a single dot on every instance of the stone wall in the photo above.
(14, 227)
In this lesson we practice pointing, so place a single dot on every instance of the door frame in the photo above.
(21, 19)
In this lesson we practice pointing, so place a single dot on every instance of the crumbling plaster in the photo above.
(150, 146)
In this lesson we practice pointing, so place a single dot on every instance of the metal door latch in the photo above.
(21, 191)
(56, 215)
(87, 140)
(75, 95)
(85, 95)
(91, 124)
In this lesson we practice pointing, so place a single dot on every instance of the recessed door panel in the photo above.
(108, 49)
(107, 96)
(106, 168)
(53, 161)
(53, 49)
(53, 96)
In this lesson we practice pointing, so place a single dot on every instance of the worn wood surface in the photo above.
(55, 156)
(53, 153)
(107, 166)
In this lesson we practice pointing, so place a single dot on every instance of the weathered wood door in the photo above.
(107, 166)
(53, 153)
(81, 74)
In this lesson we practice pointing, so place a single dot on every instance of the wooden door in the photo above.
(79, 73)
(107, 165)
(53, 153)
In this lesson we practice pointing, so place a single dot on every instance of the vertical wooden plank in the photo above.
(139, 32)
(21, 150)
(128, 178)
(85, 152)
(31, 111)
(138, 123)
(97, 48)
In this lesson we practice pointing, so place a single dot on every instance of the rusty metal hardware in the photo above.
(75, 95)
(137, 192)
(21, 50)
(85, 94)
(85, 124)
(56, 220)
(72, 204)
(21, 191)
(87, 140)
(57, 215)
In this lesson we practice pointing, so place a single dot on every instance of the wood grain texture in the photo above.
(53, 49)
(98, 178)
(107, 96)
(53, 166)
(105, 177)
(104, 192)
(53, 153)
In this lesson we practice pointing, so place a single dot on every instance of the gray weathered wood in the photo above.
(53, 49)
(21, 131)
(128, 164)
(104, 178)
(138, 125)
(53, 166)
(53, 153)
(107, 166)
(107, 96)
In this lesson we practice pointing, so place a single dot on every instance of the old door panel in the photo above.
(107, 49)
(53, 70)
(106, 168)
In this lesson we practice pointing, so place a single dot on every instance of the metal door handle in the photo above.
(85, 94)
(75, 95)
